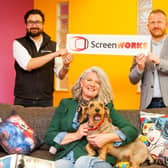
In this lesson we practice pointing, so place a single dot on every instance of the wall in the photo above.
(95, 17)
(12, 26)
(157, 4)
(107, 17)
(100, 17)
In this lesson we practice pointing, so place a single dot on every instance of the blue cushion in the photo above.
(16, 136)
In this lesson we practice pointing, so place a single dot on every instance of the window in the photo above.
(144, 7)
(62, 30)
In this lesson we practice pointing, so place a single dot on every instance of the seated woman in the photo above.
(69, 137)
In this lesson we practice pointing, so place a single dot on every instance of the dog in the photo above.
(99, 121)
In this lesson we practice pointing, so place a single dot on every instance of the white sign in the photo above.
(108, 44)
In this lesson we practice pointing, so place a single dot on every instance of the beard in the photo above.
(158, 34)
(34, 32)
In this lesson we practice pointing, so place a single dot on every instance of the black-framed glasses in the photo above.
(37, 22)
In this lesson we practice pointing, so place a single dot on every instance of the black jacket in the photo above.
(38, 83)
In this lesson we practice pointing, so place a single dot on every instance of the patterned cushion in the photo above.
(155, 128)
(16, 136)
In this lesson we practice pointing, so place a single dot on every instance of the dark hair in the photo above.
(158, 11)
(33, 12)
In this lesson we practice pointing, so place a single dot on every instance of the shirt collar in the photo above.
(37, 42)
(159, 42)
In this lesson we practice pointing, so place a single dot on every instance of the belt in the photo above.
(157, 99)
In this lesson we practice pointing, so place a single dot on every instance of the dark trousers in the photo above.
(33, 103)
(156, 103)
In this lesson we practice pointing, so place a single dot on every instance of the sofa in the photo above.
(39, 118)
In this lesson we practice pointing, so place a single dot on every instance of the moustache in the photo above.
(34, 29)
(156, 29)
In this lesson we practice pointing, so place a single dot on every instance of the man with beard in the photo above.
(36, 60)
(152, 69)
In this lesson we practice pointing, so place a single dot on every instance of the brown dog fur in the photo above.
(99, 122)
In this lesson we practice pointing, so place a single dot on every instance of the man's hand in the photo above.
(66, 57)
(61, 52)
(140, 60)
(153, 58)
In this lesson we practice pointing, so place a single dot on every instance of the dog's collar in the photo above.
(91, 128)
(83, 102)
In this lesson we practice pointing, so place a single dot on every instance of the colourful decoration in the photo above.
(122, 165)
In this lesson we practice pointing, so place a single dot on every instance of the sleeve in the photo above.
(57, 126)
(54, 127)
(58, 65)
(128, 130)
(122, 137)
(21, 55)
(135, 75)
(60, 136)
(163, 66)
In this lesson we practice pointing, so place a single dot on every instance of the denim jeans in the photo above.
(156, 103)
(82, 162)
(32, 103)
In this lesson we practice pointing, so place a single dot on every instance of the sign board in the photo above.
(108, 44)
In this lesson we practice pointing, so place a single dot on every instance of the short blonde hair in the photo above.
(105, 93)
(157, 11)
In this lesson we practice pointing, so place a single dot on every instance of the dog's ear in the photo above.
(82, 110)
(107, 113)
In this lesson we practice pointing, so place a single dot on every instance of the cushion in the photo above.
(16, 136)
(155, 128)
(37, 117)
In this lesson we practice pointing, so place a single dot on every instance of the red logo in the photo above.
(79, 43)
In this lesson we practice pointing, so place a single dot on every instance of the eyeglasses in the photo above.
(38, 23)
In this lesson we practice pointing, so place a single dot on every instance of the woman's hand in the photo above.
(74, 136)
(99, 140)
(82, 130)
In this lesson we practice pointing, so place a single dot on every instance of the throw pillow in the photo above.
(155, 128)
(16, 136)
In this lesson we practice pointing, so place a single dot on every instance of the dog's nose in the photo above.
(97, 110)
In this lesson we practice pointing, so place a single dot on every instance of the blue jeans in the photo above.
(156, 103)
(32, 103)
(82, 162)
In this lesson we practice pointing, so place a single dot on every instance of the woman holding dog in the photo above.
(69, 136)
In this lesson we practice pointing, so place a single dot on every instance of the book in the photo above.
(24, 161)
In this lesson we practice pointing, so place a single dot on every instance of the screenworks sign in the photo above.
(108, 44)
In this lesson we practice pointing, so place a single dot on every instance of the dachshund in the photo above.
(99, 121)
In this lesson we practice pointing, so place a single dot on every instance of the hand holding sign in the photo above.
(108, 44)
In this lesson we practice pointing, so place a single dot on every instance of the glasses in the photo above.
(30, 23)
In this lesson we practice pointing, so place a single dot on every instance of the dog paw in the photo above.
(102, 158)
(92, 153)
(134, 167)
